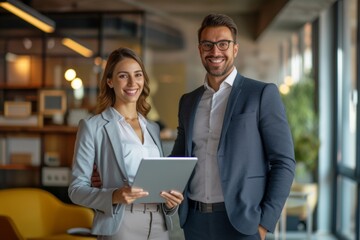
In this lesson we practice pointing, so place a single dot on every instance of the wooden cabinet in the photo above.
(36, 142)
(58, 140)
(22, 165)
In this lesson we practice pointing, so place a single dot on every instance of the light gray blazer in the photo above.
(98, 142)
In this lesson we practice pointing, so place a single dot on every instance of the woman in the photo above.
(115, 140)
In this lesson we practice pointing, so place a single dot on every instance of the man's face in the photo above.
(218, 63)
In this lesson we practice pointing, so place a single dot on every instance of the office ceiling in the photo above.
(255, 16)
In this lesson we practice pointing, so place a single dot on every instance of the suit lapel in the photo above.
(232, 101)
(195, 100)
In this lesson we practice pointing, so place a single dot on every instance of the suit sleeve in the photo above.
(279, 150)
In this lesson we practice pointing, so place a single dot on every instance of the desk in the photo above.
(297, 199)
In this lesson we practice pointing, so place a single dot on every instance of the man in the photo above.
(237, 128)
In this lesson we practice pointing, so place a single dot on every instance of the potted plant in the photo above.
(303, 121)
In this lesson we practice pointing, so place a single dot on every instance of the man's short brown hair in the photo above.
(218, 20)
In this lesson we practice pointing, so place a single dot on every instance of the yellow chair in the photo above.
(8, 230)
(32, 213)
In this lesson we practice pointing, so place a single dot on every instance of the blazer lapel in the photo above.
(113, 133)
(195, 100)
(234, 94)
(154, 134)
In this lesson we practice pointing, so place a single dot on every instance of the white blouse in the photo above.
(133, 149)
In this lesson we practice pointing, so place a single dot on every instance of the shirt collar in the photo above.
(229, 80)
(120, 117)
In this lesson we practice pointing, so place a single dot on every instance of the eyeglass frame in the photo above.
(215, 43)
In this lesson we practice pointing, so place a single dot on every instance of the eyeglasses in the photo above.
(222, 45)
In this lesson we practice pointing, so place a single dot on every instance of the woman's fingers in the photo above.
(173, 198)
(136, 193)
(128, 194)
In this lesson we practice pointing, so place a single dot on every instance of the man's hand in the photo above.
(262, 232)
(95, 178)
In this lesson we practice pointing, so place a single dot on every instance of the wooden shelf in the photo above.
(19, 167)
(45, 129)
(19, 87)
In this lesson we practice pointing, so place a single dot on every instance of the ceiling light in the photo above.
(76, 83)
(10, 57)
(288, 80)
(77, 47)
(70, 74)
(29, 14)
(284, 89)
(27, 43)
(50, 43)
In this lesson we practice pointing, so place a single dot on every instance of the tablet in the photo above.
(155, 175)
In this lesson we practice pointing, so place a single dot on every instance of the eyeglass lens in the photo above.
(221, 45)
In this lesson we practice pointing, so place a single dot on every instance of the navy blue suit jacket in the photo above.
(255, 153)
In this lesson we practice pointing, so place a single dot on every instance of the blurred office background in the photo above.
(308, 48)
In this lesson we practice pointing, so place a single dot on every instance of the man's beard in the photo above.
(216, 73)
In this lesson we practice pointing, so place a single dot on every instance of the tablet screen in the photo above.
(155, 175)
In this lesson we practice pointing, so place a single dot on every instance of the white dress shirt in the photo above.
(205, 185)
(133, 149)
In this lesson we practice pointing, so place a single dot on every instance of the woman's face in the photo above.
(127, 81)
